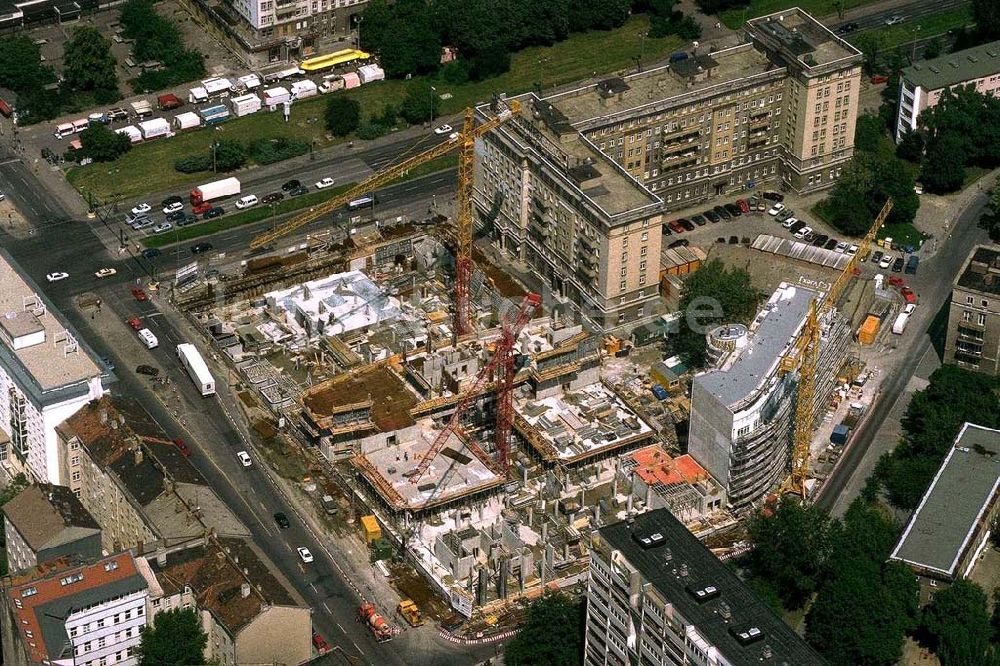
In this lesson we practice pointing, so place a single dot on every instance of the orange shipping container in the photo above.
(868, 330)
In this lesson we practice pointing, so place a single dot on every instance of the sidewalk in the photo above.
(936, 214)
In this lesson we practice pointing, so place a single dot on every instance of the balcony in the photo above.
(666, 168)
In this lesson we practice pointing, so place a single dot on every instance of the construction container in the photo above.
(868, 330)
(840, 434)
(371, 529)
(244, 105)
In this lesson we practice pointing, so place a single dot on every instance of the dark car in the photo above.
(298, 191)
(847, 28)
(666, 229)
(877, 256)
(151, 252)
(199, 248)
(215, 211)
(687, 224)
(282, 520)
(897, 266)
(147, 370)
(273, 197)
(171, 200)
(291, 185)
(733, 209)
(830, 244)
(108, 363)
(795, 227)
(186, 220)
(176, 216)
(185, 451)
(722, 212)
(684, 242)
(712, 217)
(699, 220)
(820, 240)
(774, 196)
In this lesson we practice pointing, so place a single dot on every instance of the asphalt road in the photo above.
(909, 12)
(933, 284)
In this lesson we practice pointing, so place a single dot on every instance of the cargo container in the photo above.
(303, 89)
(330, 83)
(197, 95)
(247, 82)
(351, 80)
(168, 102)
(196, 368)
(155, 128)
(217, 189)
(217, 87)
(188, 120)
(868, 330)
(276, 96)
(80, 125)
(370, 73)
(142, 108)
(370, 527)
(132, 132)
(244, 105)
(211, 115)
(63, 130)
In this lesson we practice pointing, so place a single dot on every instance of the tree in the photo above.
(790, 548)
(864, 186)
(229, 155)
(89, 64)
(991, 218)
(711, 296)
(420, 104)
(971, 117)
(911, 147)
(174, 639)
(597, 14)
(932, 49)
(104, 145)
(552, 633)
(944, 167)
(343, 115)
(21, 65)
(986, 15)
(868, 133)
(957, 623)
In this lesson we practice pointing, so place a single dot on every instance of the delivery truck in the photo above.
(303, 89)
(274, 97)
(217, 189)
(244, 84)
(903, 318)
(244, 105)
(196, 368)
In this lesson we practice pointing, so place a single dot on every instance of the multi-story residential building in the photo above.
(136, 483)
(248, 616)
(43, 523)
(742, 414)
(973, 340)
(922, 83)
(574, 185)
(656, 595)
(71, 614)
(46, 375)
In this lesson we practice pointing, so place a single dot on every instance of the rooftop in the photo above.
(215, 575)
(47, 515)
(772, 333)
(798, 37)
(49, 593)
(703, 569)
(945, 522)
(654, 465)
(391, 398)
(954, 68)
(48, 356)
(982, 270)
(573, 426)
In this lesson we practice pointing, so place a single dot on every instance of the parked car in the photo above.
(186, 220)
(665, 229)
(774, 196)
(298, 191)
(776, 208)
(895, 19)
(722, 212)
(683, 242)
(877, 256)
(147, 370)
(200, 248)
(105, 272)
(244, 458)
(784, 215)
(247, 201)
(304, 553)
(57, 276)
(840, 247)
(712, 217)
(173, 207)
(162, 227)
(290, 185)
(215, 211)
(847, 28)
(733, 209)
(688, 226)
(803, 232)
(273, 197)
(852, 249)
(820, 240)
(789, 222)
(138, 294)
(744, 205)
(176, 216)
(443, 129)
(897, 265)
(797, 227)
(135, 323)
(151, 252)
(885, 261)
(699, 220)
(141, 209)
(830, 244)
(676, 226)
(324, 183)
(172, 199)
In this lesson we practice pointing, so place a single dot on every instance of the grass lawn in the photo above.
(895, 36)
(904, 234)
(149, 167)
(734, 18)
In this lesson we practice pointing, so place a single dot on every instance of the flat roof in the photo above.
(948, 517)
(954, 68)
(745, 609)
(772, 333)
(981, 271)
(796, 35)
(391, 398)
(62, 361)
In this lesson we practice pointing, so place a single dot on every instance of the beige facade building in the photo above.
(578, 184)
(973, 340)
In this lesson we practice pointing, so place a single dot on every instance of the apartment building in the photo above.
(656, 595)
(46, 375)
(973, 340)
(74, 614)
(922, 84)
(573, 185)
(742, 413)
(43, 523)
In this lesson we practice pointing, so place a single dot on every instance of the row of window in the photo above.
(980, 318)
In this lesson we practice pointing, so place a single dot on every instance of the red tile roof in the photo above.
(656, 465)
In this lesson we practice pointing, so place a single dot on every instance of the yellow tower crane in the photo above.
(805, 355)
(464, 141)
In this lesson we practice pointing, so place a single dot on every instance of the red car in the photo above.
(908, 295)
(896, 281)
(139, 294)
(135, 323)
(320, 643)
(744, 206)
(185, 451)
(676, 226)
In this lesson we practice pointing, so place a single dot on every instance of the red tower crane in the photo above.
(502, 363)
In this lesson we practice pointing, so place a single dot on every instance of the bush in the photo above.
(420, 105)
(269, 151)
(369, 130)
(342, 115)
(193, 163)
(102, 144)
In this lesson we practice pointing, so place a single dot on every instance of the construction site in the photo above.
(483, 434)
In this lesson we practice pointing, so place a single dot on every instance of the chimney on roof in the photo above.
(245, 590)
(161, 559)
(137, 451)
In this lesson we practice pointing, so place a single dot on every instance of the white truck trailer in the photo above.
(217, 189)
(196, 368)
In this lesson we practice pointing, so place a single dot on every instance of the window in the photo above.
(966, 316)
(76, 476)
(970, 300)
(621, 318)
(100, 642)
(110, 566)
(986, 303)
(72, 578)
(645, 236)
(28, 591)
(624, 271)
(982, 319)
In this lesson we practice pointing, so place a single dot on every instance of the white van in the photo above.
(147, 337)
(247, 201)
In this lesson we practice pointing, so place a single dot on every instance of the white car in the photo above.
(141, 208)
(776, 208)
(895, 19)
(444, 129)
(325, 183)
(453, 136)
(2, 196)
(841, 248)
(803, 232)
(173, 207)
(247, 201)
(105, 272)
(161, 227)
(909, 308)
(55, 277)
(306, 556)
(852, 250)
(886, 261)
(789, 222)
(244, 458)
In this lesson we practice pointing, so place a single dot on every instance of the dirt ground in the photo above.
(412, 585)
